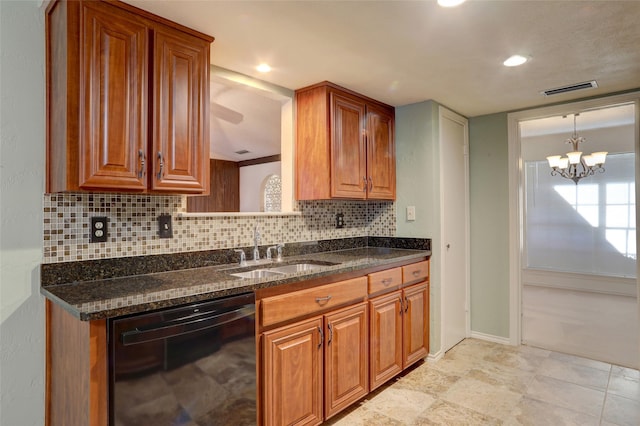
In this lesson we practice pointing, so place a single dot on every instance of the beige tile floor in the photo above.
(484, 383)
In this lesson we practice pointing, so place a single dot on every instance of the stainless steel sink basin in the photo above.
(257, 273)
(275, 271)
(297, 267)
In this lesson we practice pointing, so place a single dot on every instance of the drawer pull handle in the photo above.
(330, 333)
(401, 304)
(406, 305)
(387, 281)
(324, 299)
(321, 340)
(416, 273)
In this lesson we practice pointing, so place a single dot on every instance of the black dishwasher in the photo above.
(190, 365)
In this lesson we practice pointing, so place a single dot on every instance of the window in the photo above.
(584, 228)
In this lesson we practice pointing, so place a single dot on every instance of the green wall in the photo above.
(418, 184)
(489, 227)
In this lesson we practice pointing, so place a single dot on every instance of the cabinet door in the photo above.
(385, 338)
(292, 357)
(348, 151)
(416, 323)
(346, 358)
(381, 154)
(181, 98)
(114, 104)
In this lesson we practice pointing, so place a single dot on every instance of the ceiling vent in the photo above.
(242, 151)
(570, 88)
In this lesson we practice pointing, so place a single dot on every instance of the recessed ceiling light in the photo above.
(263, 68)
(450, 3)
(515, 60)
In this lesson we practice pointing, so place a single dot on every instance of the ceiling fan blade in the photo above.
(226, 114)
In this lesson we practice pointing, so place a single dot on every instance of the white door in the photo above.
(454, 173)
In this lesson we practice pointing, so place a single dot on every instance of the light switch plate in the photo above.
(411, 213)
(165, 230)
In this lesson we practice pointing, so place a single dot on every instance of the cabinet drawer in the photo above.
(385, 280)
(415, 272)
(303, 302)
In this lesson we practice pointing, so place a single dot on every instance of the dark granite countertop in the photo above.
(117, 296)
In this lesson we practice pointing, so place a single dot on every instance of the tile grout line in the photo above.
(606, 393)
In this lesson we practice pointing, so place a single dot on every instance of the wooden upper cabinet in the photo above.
(114, 84)
(381, 153)
(344, 146)
(348, 147)
(181, 78)
(114, 102)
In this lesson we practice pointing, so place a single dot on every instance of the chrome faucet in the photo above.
(278, 249)
(269, 257)
(243, 257)
(256, 241)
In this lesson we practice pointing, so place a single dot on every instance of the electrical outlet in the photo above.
(165, 230)
(339, 220)
(411, 213)
(99, 231)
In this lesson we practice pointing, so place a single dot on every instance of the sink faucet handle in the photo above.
(243, 257)
(269, 257)
(279, 248)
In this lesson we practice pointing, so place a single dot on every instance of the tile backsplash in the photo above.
(133, 226)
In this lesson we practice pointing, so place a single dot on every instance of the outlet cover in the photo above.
(165, 229)
(339, 220)
(99, 229)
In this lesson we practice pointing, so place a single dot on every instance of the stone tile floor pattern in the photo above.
(484, 383)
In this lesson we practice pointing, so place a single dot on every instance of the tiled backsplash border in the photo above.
(133, 229)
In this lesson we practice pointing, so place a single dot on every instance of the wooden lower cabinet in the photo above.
(415, 324)
(385, 341)
(346, 358)
(293, 374)
(399, 331)
(327, 352)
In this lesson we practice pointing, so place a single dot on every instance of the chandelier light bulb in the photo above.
(589, 160)
(563, 163)
(599, 157)
(574, 157)
(554, 160)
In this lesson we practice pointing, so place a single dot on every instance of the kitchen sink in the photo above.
(275, 271)
(296, 267)
(257, 273)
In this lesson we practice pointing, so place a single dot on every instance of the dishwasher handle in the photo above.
(171, 329)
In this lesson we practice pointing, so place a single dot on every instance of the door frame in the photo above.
(444, 113)
(516, 193)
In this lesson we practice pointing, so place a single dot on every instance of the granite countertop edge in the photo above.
(114, 297)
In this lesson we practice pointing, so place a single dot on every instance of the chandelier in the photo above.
(576, 166)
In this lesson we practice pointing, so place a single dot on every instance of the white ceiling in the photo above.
(402, 52)
(243, 118)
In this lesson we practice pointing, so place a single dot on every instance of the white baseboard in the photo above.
(490, 338)
(435, 357)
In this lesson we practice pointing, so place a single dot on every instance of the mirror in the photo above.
(251, 126)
